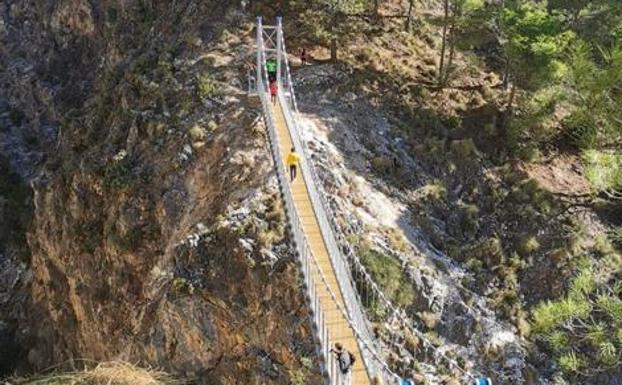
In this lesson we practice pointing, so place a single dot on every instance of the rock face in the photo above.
(354, 147)
(131, 249)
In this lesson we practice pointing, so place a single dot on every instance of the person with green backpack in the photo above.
(271, 68)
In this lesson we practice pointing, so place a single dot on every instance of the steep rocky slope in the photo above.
(465, 237)
(153, 235)
(141, 221)
(350, 141)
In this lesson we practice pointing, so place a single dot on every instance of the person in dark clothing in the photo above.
(303, 57)
(345, 360)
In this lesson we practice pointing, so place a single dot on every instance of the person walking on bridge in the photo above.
(271, 68)
(274, 90)
(345, 360)
(292, 161)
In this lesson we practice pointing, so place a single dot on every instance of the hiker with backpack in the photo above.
(345, 360)
(271, 67)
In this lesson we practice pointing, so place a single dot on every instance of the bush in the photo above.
(581, 129)
(528, 245)
(396, 239)
(469, 221)
(604, 170)
(489, 251)
(435, 191)
(571, 362)
(387, 272)
(587, 320)
(464, 150)
(297, 377)
(118, 173)
(206, 87)
(381, 164)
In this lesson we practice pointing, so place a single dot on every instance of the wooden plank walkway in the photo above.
(338, 328)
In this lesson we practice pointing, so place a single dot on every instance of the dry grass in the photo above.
(106, 373)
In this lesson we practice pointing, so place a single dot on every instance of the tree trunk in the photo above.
(376, 8)
(333, 38)
(457, 13)
(510, 107)
(506, 116)
(452, 53)
(444, 44)
(409, 15)
(333, 49)
(506, 73)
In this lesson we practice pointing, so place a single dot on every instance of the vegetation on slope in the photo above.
(512, 109)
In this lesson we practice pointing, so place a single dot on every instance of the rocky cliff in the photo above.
(139, 221)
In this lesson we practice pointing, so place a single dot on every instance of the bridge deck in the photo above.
(338, 327)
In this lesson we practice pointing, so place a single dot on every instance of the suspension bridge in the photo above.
(330, 269)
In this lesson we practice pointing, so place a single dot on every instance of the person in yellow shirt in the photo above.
(292, 161)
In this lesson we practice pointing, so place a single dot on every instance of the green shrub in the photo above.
(558, 341)
(474, 264)
(469, 218)
(582, 285)
(581, 129)
(118, 174)
(463, 150)
(396, 239)
(435, 191)
(596, 334)
(587, 320)
(297, 377)
(205, 87)
(489, 251)
(603, 170)
(387, 272)
(607, 353)
(528, 245)
(616, 237)
(182, 286)
(306, 362)
(550, 315)
(381, 164)
(571, 362)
